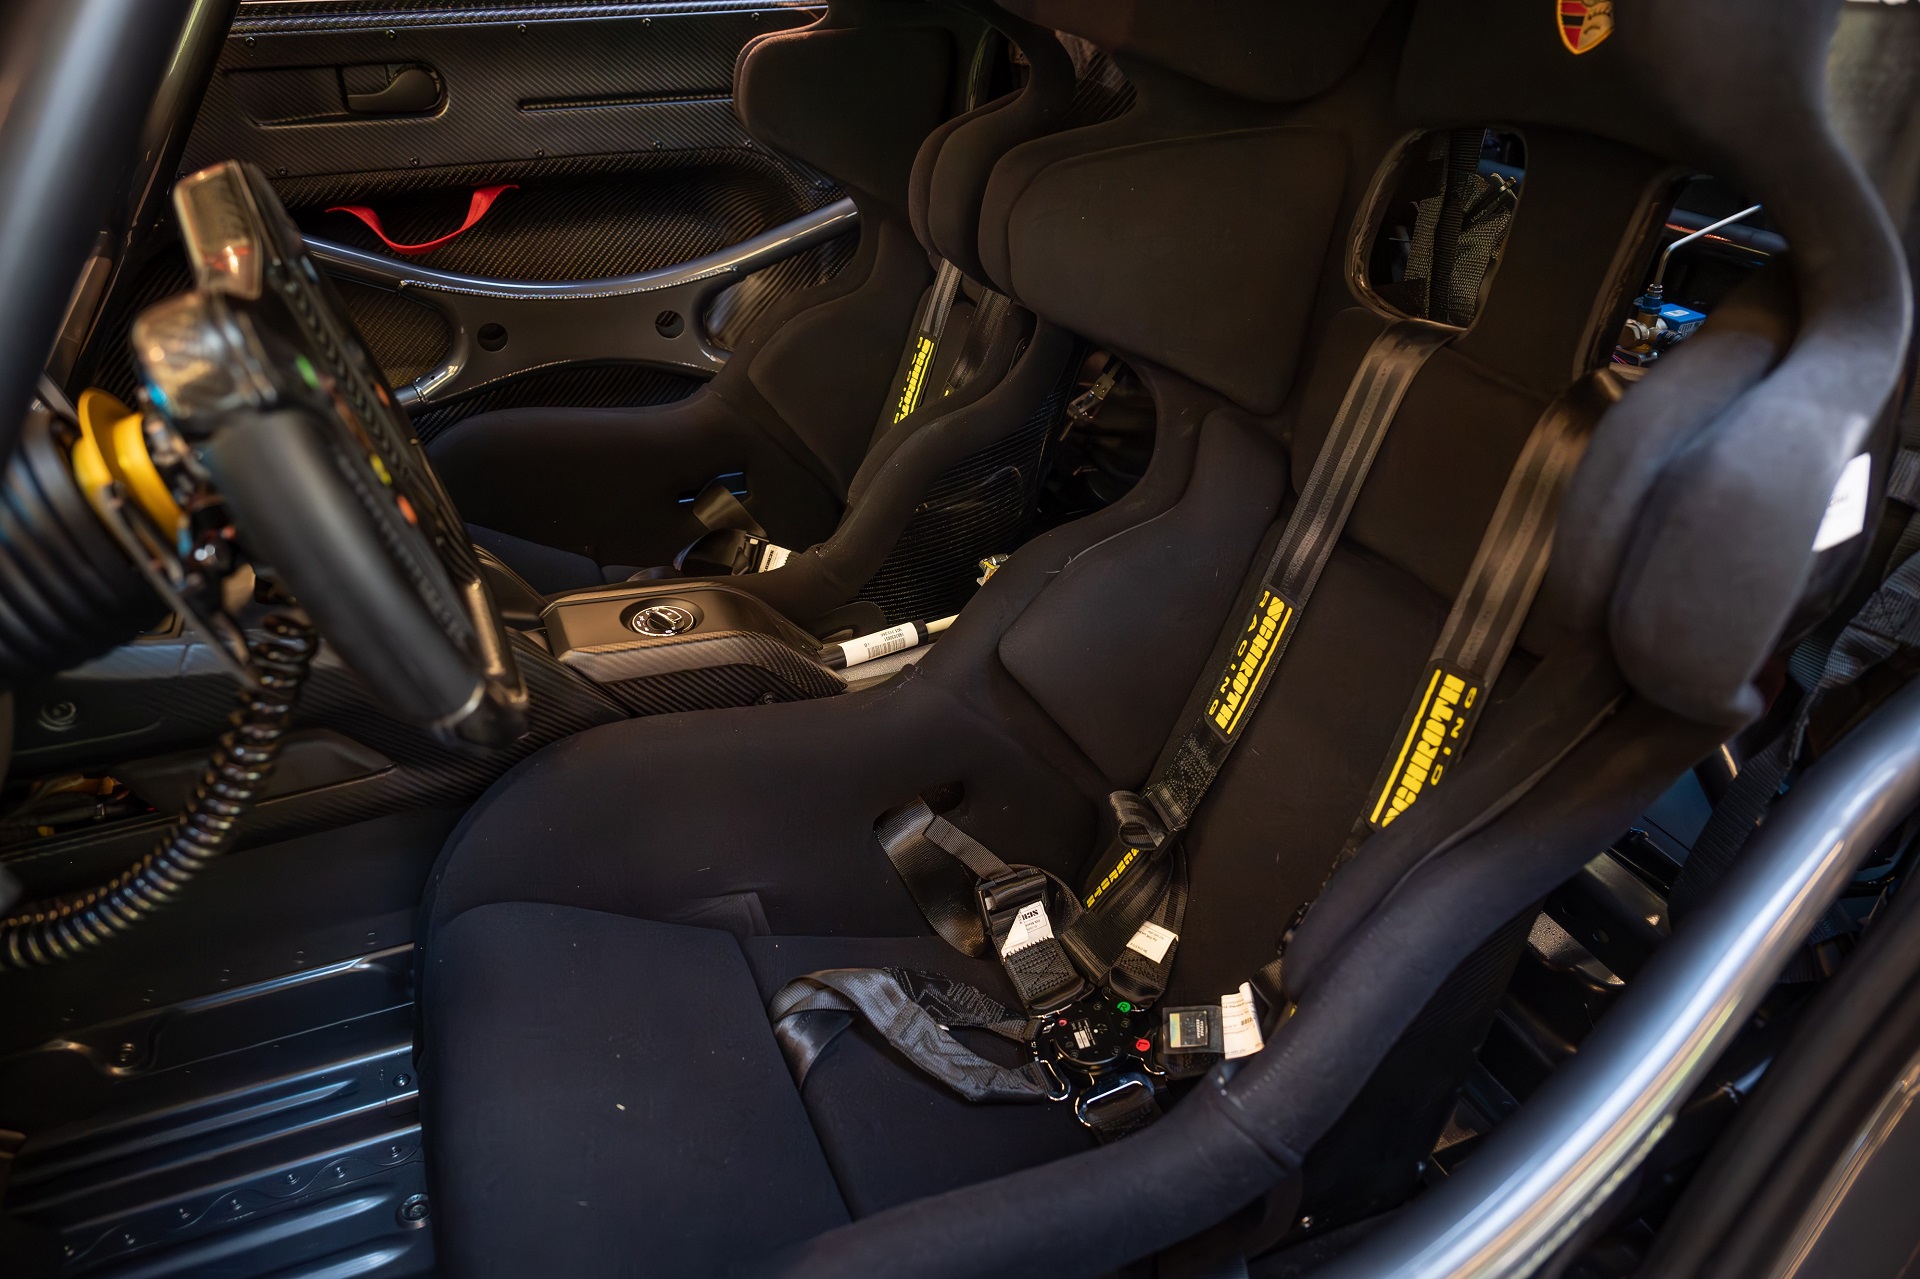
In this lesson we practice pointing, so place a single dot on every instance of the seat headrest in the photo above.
(1193, 231)
(853, 95)
(1264, 50)
(950, 173)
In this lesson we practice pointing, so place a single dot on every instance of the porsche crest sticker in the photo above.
(1584, 23)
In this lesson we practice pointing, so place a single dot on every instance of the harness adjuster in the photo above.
(1009, 892)
(1138, 820)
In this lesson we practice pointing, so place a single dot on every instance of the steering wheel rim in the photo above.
(274, 398)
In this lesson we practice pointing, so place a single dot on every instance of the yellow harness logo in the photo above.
(1113, 876)
(1427, 750)
(916, 379)
(1250, 660)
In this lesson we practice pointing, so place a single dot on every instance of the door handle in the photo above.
(390, 89)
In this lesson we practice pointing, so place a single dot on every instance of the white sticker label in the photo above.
(1029, 926)
(1847, 509)
(1239, 1024)
(864, 648)
(1082, 1038)
(772, 557)
(1153, 941)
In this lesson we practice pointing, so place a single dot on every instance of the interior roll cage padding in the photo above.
(503, 327)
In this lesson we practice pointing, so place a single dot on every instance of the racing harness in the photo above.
(1090, 966)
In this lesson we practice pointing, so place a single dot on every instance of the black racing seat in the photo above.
(852, 423)
(602, 1087)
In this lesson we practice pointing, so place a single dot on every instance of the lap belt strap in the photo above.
(1091, 1054)
(912, 1011)
(982, 906)
(734, 541)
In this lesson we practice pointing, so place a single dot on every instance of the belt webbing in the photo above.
(1490, 608)
(1484, 622)
(973, 900)
(1294, 569)
(1138, 887)
(928, 327)
(912, 1011)
(989, 320)
(1131, 885)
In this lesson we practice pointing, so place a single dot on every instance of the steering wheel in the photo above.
(266, 396)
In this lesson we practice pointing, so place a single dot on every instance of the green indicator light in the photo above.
(307, 374)
(1124, 1006)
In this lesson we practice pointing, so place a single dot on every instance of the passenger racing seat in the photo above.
(602, 1082)
(854, 422)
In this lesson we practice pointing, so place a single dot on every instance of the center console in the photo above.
(683, 645)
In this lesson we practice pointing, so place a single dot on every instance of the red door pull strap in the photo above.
(483, 199)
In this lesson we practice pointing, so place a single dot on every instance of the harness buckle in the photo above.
(1101, 1052)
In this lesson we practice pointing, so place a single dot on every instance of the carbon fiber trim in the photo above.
(661, 219)
(569, 229)
(583, 386)
(694, 653)
(107, 361)
(653, 79)
(741, 305)
(405, 338)
(809, 190)
(703, 690)
(306, 15)
(980, 507)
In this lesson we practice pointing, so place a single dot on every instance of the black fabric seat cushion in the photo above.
(605, 1097)
(890, 1133)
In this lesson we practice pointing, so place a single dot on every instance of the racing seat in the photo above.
(823, 431)
(601, 1081)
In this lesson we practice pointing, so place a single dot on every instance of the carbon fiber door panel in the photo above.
(518, 84)
(613, 121)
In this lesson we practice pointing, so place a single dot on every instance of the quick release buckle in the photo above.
(1101, 1051)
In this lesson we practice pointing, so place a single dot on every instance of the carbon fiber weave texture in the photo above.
(980, 507)
(586, 386)
(516, 86)
(298, 15)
